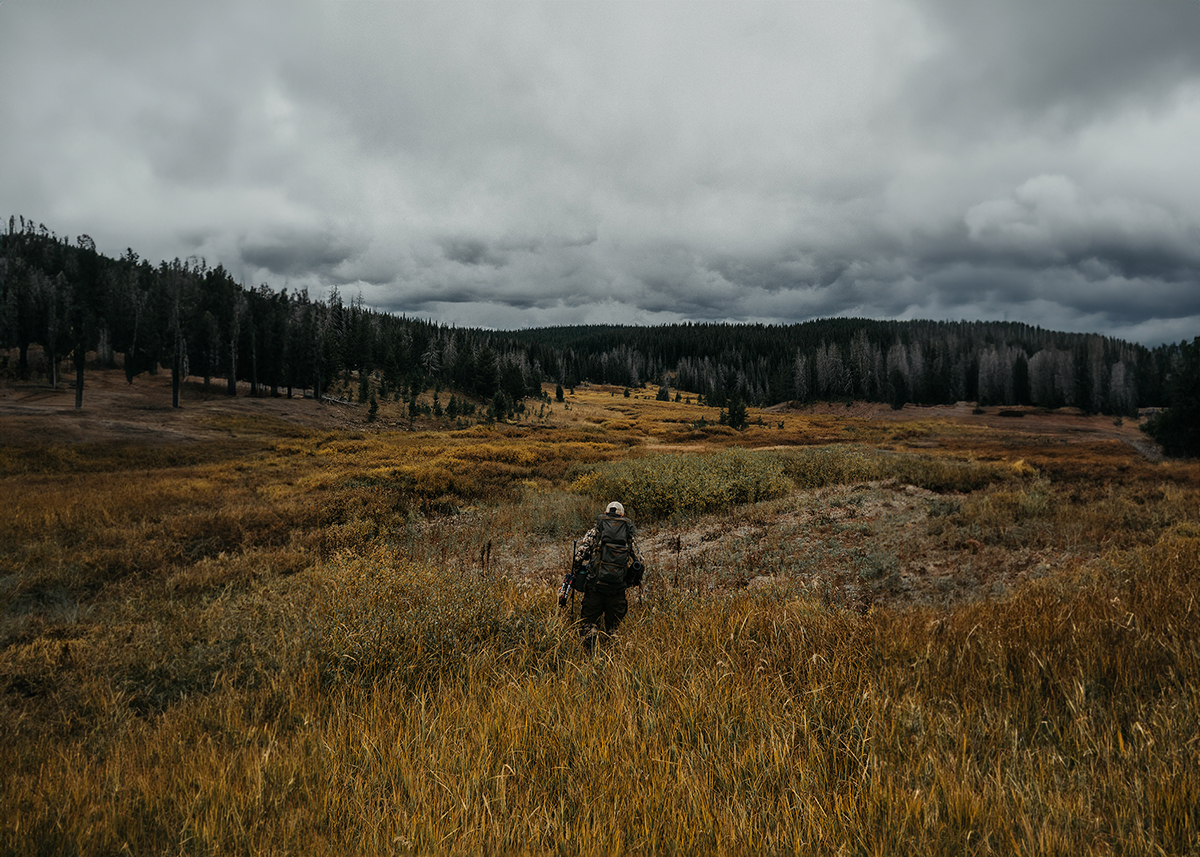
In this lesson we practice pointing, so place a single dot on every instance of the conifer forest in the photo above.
(193, 319)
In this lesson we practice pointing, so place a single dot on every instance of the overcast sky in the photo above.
(520, 164)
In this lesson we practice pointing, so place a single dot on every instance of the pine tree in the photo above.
(736, 416)
(1178, 427)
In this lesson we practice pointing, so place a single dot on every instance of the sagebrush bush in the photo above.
(817, 467)
(951, 474)
(658, 486)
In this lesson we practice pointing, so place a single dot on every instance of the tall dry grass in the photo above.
(293, 648)
(379, 707)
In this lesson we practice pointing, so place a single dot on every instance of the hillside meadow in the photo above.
(283, 629)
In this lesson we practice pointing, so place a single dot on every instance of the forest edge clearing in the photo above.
(836, 518)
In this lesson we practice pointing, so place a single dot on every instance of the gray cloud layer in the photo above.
(520, 164)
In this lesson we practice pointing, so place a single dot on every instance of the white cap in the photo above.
(614, 506)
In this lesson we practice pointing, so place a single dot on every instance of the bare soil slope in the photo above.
(1066, 423)
(115, 410)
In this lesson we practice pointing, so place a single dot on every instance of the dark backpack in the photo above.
(610, 564)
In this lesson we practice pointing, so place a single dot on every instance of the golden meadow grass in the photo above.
(334, 643)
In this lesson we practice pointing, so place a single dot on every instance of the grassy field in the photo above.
(929, 633)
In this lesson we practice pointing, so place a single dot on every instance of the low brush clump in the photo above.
(818, 467)
(659, 486)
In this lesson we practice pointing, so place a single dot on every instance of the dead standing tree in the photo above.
(176, 277)
(237, 314)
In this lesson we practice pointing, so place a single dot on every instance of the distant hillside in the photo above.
(71, 300)
(924, 362)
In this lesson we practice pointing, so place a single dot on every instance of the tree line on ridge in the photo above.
(195, 320)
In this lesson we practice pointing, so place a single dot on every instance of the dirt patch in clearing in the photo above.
(1069, 424)
(853, 546)
(115, 410)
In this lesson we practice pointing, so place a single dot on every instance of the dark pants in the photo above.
(601, 602)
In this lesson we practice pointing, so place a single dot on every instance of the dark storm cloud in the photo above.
(1047, 221)
(471, 251)
(298, 252)
(1066, 60)
(511, 165)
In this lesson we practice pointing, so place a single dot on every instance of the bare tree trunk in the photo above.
(129, 355)
(176, 371)
(176, 284)
(232, 388)
(104, 349)
(253, 364)
(239, 311)
(80, 357)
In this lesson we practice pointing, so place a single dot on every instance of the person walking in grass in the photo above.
(606, 564)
